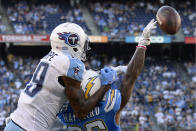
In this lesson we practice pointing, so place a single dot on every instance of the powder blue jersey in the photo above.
(102, 117)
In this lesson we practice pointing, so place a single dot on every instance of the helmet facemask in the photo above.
(86, 48)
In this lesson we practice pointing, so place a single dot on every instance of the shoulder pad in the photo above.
(76, 69)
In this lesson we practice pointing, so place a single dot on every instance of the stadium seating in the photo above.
(27, 18)
(112, 19)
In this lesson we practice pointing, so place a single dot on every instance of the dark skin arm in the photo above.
(134, 69)
(76, 97)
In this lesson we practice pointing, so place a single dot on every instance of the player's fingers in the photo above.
(150, 24)
(154, 27)
(105, 70)
(155, 22)
(152, 21)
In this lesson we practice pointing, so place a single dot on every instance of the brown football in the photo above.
(168, 19)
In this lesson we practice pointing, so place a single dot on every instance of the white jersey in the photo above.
(43, 96)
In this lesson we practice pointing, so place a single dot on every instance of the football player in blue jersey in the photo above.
(44, 96)
(106, 115)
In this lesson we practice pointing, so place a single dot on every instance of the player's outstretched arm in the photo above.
(76, 96)
(135, 66)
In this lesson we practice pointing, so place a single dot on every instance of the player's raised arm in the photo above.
(76, 96)
(136, 64)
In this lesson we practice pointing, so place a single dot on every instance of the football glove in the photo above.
(120, 69)
(107, 76)
(145, 38)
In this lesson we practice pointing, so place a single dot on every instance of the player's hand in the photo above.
(107, 76)
(145, 38)
(119, 69)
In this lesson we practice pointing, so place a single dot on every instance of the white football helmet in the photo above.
(71, 38)
(91, 82)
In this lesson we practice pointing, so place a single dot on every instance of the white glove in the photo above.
(145, 38)
(120, 69)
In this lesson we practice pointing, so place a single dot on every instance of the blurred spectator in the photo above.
(114, 19)
(191, 69)
(28, 17)
(118, 20)
(160, 117)
(3, 28)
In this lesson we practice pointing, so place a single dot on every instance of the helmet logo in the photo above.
(70, 38)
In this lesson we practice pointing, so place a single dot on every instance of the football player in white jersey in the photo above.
(43, 96)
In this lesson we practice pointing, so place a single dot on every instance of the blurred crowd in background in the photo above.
(161, 94)
(113, 19)
(3, 28)
(29, 18)
(129, 19)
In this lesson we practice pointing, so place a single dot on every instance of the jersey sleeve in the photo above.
(66, 65)
(76, 69)
(112, 100)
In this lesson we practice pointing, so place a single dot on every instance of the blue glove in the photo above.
(107, 76)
